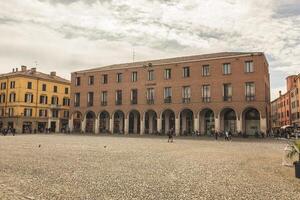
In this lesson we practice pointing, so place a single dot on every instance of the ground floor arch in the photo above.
(186, 122)
(251, 121)
(90, 119)
(118, 122)
(207, 121)
(104, 122)
(134, 119)
(150, 122)
(77, 120)
(168, 121)
(228, 120)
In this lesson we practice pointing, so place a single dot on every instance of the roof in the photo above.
(35, 74)
(172, 60)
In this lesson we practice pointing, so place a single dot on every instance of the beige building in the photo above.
(31, 100)
(221, 91)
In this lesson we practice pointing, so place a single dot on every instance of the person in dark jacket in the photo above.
(170, 135)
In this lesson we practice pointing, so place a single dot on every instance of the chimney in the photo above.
(33, 70)
(52, 73)
(279, 92)
(23, 68)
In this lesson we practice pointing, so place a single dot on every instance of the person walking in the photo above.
(216, 135)
(170, 135)
(226, 136)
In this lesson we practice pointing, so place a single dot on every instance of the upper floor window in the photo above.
(3, 85)
(119, 77)
(186, 94)
(227, 92)
(250, 91)
(66, 114)
(11, 112)
(205, 70)
(104, 98)
(118, 97)
(167, 74)
(29, 85)
(43, 113)
(77, 81)
(167, 94)
(2, 98)
(206, 93)
(134, 96)
(43, 99)
(186, 72)
(54, 100)
(55, 89)
(66, 90)
(28, 98)
(55, 113)
(44, 87)
(27, 112)
(90, 99)
(77, 99)
(134, 76)
(150, 75)
(12, 84)
(91, 80)
(66, 101)
(150, 95)
(249, 66)
(226, 68)
(12, 97)
(104, 79)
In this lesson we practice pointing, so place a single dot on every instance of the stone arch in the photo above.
(150, 121)
(251, 120)
(118, 118)
(186, 121)
(104, 121)
(207, 121)
(90, 118)
(77, 119)
(168, 120)
(134, 121)
(228, 119)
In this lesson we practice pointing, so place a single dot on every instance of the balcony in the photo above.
(118, 102)
(150, 101)
(206, 99)
(103, 103)
(227, 98)
(250, 98)
(133, 101)
(55, 106)
(186, 100)
(168, 100)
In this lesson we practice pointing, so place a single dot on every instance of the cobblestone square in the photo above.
(117, 167)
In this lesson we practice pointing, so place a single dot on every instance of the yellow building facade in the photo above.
(31, 101)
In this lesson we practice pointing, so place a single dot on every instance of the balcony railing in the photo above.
(168, 100)
(55, 106)
(104, 103)
(186, 100)
(227, 98)
(206, 99)
(150, 101)
(133, 101)
(250, 98)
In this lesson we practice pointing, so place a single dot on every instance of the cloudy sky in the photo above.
(68, 35)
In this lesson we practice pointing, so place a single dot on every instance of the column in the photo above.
(239, 124)
(150, 121)
(111, 125)
(263, 125)
(83, 125)
(196, 124)
(217, 124)
(177, 126)
(57, 127)
(167, 123)
(135, 123)
(96, 128)
(142, 124)
(126, 130)
(71, 125)
(159, 121)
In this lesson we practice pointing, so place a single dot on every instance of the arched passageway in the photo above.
(186, 122)
(118, 126)
(150, 122)
(90, 122)
(207, 121)
(77, 119)
(104, 122)
(251, 121)
(134, 122)
(168, 121)
(228, 120)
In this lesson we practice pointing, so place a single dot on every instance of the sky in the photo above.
(71, 35)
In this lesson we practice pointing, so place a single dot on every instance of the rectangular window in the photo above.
(29, 98)
(227, 92)
(3, 85)
(2, 98)
(66, 114)
(119, 77)
(90, 99)
(119, 97)
(55, 113)
(205, 70)
(77, 99)
(134, 76)
(150, 96)
(104, 98)
(44, 87)
(168, 95)
(66, 90)
(91, 80)
(43, 99)
(43, 113)
(150, 75)
(186, 72)
(134, 96)
(167, 74)
(12, 84)
(77, 81)
(206, 93)
(66, 101)
(226, 68)
(27, 112)
(55, 89)
(104, 79)
(12, 97)
(54, 100)
(11, 112)
(249, 66)
(186, 94)
(29, 85)
(250, 91)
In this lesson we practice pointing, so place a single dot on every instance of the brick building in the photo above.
(32, 100)
(285, 110)
(221, 91)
